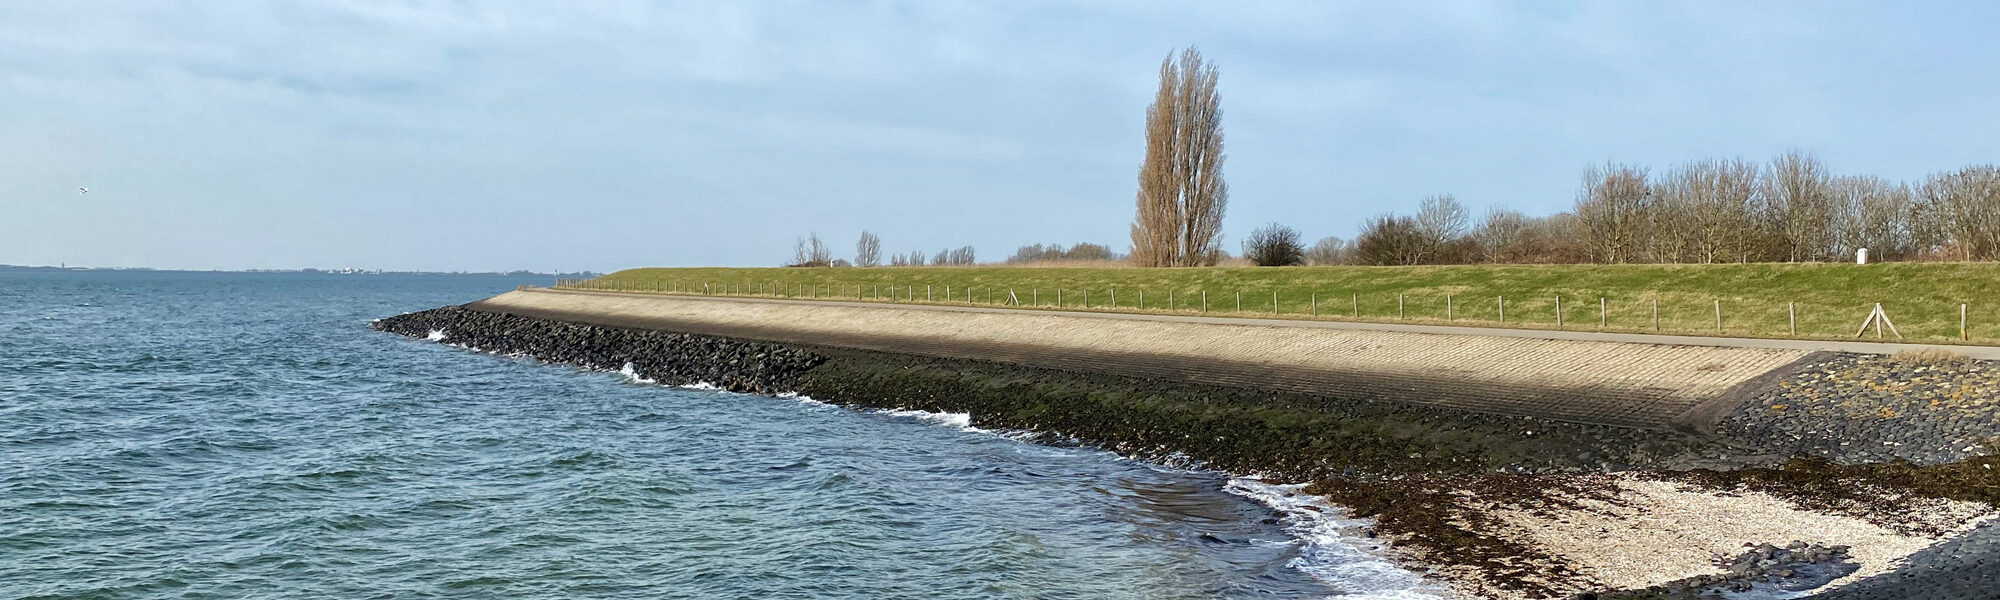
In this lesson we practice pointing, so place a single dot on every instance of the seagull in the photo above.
(82, 190)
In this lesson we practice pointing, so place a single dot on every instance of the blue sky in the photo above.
(603, 135)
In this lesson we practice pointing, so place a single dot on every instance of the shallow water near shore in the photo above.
(182, 435)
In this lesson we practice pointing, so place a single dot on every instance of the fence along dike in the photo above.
(1647, 313)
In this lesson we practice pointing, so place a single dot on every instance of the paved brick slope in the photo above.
(1625, 384)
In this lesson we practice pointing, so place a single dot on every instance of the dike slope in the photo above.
(1646, 386)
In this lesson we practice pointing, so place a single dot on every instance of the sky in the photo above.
(600, 135)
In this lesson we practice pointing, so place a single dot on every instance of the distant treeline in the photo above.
(1792, 209)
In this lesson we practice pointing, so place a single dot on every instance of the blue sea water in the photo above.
(216, 435)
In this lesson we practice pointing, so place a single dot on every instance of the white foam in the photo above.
(802, 398)
(1331, 549)
(963, 421)
(436, 335)
(632, 374)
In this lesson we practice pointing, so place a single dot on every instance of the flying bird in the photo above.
(82, 190)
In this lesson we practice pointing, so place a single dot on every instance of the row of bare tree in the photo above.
(1792, 209)
(810, 251)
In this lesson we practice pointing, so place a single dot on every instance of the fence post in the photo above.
(1961, 322)
(1792, 312)
(1114, 298)
(1503, 310)
(1447, 308)
(1204, 301)
(1718, 315)
(1559, 312)
(1356, 299)
(1142, 298)
(1059, 298)
(927, 292)
(1656, 315)
(1315, 303)
(1401, 315)
(1274, 302)
(1035, 296)
(1603, 313)
(1170, 301)
(1239, 300)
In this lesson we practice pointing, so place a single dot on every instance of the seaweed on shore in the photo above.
(1443, 521)
(1878, 492)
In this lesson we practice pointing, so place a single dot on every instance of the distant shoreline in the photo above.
(305, 271)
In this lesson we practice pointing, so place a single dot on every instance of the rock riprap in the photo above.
(1861, 409)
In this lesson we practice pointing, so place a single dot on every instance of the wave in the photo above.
(1333, 550)
(632, 375)
(963, 421)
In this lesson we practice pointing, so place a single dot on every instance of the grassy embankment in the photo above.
(1832, 299)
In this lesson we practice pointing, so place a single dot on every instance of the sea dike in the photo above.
(1472, 485)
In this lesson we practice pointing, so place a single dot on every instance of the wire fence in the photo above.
(1665, 313)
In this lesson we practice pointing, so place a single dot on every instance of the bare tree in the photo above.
(1391, 240)
(1967, 204)
(1274, 245)
(809, 251)
(1613, 210)
(1874, 214)
(916, 258)
(1798, 201)
(1329, 250)
(1500, 235)
(1182, 195)
(960, 257)
(868, 250)
(1443, 220)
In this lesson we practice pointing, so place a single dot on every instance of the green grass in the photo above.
(1832, 299)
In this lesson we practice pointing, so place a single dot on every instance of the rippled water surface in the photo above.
(181, 435)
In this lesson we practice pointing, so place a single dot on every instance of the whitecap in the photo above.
(1332, 550)
(436, 335)
(631, 374)
(962, 421)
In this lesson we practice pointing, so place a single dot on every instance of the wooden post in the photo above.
(1656, 314)
(1503, 310)
(1792, 314)
(1114, 298)
(1204, 301)
(947, 293)
(1035, 296)
(1315, 303)
(1400, 314)
(1356, 299)
(1961, 323)
(1059, 298)
(1170, 301)
(1447, 308)
(1603, 313)
(1274, 302)
(927, 292)
(1559, 312)
(1718, 315)
(1239, 300)
(1142, 298)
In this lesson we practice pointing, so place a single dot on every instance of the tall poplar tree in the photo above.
(1182, 195)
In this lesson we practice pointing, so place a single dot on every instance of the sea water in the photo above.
(219, 435)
